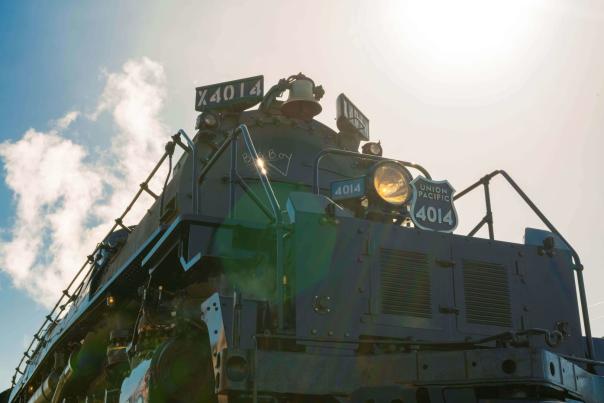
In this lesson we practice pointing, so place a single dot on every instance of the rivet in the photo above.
(314, 331)
(330, 333)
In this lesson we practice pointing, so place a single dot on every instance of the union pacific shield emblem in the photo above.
(432, 205)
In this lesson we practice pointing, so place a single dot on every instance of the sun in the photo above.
(465, 34)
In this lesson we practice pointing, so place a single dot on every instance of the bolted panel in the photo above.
(487, 293)
(405, 283)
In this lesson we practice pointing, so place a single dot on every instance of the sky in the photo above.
(91, 91)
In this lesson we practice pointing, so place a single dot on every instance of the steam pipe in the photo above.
(44, 393)
(63, 379)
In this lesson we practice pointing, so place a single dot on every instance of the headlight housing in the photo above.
(390, 181)
(372, 149)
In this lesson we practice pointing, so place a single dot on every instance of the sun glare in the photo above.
(465, 32)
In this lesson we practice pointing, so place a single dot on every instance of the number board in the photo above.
(350, 118)
(432, 205)
(235, 95)
(348, 189)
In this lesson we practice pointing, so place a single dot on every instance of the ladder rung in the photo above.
(145, 187)
(119, 222)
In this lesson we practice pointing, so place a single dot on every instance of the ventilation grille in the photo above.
(405, 281)
(487, 294)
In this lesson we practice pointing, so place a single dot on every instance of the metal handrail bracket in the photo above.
(356, 155)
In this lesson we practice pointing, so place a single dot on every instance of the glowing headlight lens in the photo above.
(391, 183)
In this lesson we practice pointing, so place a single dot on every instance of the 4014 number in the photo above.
(348, 189)
(434, 214)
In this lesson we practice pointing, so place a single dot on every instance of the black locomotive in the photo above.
(280, 264)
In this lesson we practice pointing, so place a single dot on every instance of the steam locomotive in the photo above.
(281, 264)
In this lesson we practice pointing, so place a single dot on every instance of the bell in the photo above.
(301, 103)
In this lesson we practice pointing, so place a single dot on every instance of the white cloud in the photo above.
(64, 122)
(60, 186)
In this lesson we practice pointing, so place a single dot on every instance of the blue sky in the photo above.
(465, 90)
(51, 59)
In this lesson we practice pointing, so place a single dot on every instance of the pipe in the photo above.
(63, 379)
(45, 392)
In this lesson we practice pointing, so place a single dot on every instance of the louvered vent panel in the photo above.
(487, 294)
(405, 282)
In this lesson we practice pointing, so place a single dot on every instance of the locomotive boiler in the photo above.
(280, 263)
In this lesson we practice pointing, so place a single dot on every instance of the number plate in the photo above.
(350, 118)
(234, 95)
(432, 205)
(348, 189)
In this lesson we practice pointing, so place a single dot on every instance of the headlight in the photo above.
(372, 149)
(391, 182)
(206, 120)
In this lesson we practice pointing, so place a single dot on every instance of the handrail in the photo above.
(260, 170)
(488, 219)
(193, 151)
(356, 155)
(235, 178)
(55, 315)
(230, 142)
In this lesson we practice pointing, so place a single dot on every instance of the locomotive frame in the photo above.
(275, 295)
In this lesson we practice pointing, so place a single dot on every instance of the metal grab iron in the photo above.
(488, 219)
